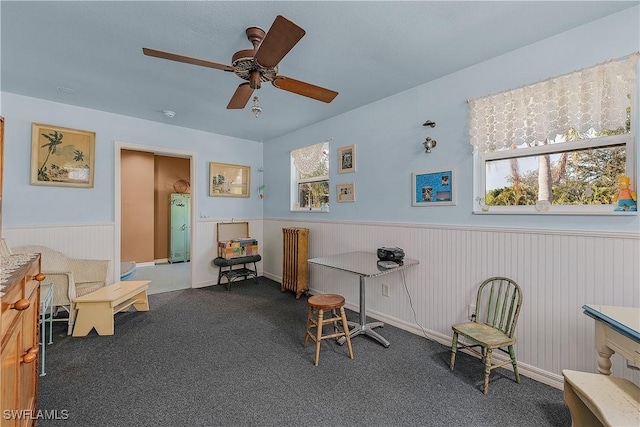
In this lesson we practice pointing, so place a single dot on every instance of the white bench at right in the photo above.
(597, 400)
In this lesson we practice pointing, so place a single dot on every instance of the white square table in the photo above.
(363, 264)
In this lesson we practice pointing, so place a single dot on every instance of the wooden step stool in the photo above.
(319, 304)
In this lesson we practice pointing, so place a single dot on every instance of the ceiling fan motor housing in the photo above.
(243, 64)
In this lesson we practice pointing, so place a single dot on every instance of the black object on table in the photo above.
(227, 270)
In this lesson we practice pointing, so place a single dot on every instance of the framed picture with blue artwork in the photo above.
(433, 188)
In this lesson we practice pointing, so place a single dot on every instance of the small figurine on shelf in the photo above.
(625, 197)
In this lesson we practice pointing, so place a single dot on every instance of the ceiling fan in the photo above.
(259, 64)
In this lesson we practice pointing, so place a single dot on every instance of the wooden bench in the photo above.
(601, 400)
(96, 309)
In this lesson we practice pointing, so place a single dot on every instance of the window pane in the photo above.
(578, 177)
(322, 169)
(313, 194)
(310, 175)
(312, 161)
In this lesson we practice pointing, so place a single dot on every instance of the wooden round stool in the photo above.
(319, 304)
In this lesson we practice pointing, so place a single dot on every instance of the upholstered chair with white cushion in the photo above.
(71, 277)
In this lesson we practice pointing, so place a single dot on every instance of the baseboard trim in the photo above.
(529, 371)
(537, 374)
(145, 264)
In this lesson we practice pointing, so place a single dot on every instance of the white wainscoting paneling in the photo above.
(89, 241)
(559, 272)
(96, 241)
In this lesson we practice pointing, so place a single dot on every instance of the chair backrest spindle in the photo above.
(499, 300)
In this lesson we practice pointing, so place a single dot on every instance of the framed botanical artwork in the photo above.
(433, 188)
(228, 180)
(62, 156)
(346, 192)
(347, 159)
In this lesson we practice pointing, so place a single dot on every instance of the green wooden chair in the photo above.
(493, 325)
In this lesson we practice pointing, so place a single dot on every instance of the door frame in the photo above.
(162, 151)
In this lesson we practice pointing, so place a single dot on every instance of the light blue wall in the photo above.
(388, 135)
(25, 204)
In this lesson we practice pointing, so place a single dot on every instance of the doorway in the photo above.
(145, 177)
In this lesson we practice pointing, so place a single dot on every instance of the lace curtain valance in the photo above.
(306, 159)
(595, 97)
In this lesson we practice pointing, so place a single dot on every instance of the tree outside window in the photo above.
(310, 172)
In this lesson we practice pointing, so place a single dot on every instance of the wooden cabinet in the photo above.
(19, 345)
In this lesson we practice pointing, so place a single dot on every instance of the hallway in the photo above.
(165, 277)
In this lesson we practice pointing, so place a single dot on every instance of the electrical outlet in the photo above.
(471, 311)
(385, 290)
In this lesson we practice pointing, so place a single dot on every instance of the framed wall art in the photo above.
(62, 156)
(228, 180)
(433, 188)
(347, 159)
(346, 192)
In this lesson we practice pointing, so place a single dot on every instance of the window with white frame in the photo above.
(310, 177)
(558, 145)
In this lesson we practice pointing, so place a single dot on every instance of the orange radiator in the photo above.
(295, 251)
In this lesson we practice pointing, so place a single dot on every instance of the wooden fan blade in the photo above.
(186, 59)
(280, 39)
(240, 97)
(304, 89)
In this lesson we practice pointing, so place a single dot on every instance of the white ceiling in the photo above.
(364, 50)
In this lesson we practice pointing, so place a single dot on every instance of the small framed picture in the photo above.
(347, 159)
(228, 180)
(62, 156)
(433, 188)
(346, 192)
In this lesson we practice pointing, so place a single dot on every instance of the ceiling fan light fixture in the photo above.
(255, 108)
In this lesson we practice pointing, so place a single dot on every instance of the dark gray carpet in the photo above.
(211, 357)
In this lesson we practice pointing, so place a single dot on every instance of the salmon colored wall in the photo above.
(168, 170)
(137, 217)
